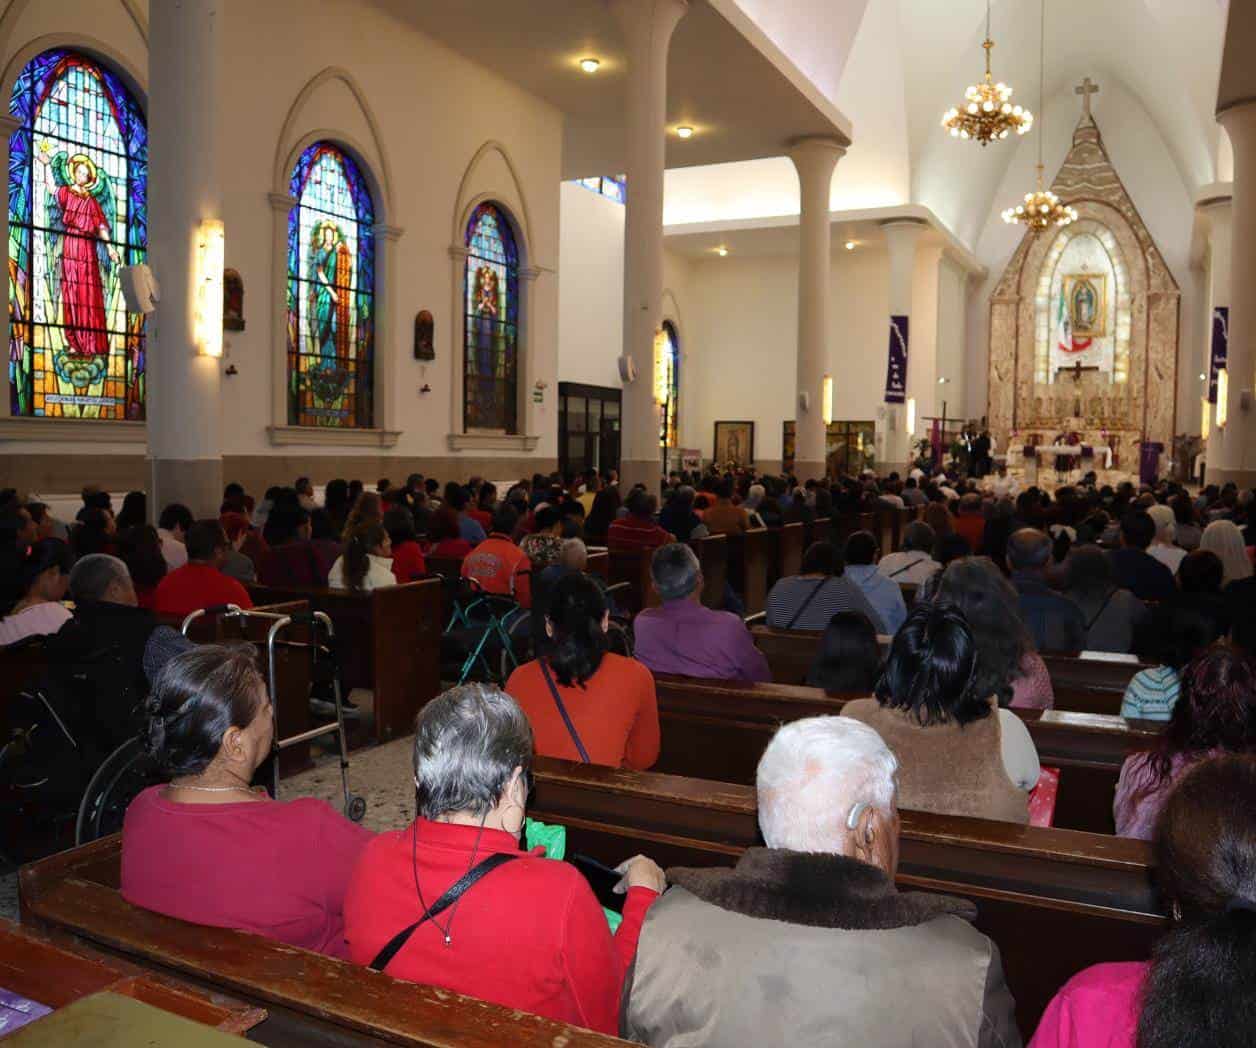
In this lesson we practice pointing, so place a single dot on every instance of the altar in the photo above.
(1086, 457)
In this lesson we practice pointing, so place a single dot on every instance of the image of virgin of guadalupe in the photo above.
(1085, 307)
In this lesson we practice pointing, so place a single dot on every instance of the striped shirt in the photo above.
(836, 593)
(1151, 694)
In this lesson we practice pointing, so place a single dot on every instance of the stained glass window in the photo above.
(490, 391)
(667, 383)
(615, 188)
(331, 292)
(78, 212)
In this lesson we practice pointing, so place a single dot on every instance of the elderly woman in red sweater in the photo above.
(528, 933)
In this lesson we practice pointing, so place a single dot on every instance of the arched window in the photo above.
(78, 212)
(667, 383)
(491, 342)
(331, 292)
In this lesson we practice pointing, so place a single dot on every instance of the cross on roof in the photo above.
(1086, 89)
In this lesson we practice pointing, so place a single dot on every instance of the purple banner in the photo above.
(896, 363)
(1220, 348)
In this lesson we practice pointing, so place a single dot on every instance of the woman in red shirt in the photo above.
(407, 557)
(584, 702)
(446, 536)
(210, 849)
(528, 934)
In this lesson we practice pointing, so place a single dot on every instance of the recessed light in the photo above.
(850, 245)
(590, 65)
(1203, 377)
(722, 251)
(943, 380)
(684, 131)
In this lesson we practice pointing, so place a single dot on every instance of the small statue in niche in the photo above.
(424, 336)
(232, 301)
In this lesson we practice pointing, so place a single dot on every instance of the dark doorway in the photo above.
(588, 427)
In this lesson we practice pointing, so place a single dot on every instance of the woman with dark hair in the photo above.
(1215, 713)
(1112, 614)
(544, 546)
(585, 702)
(849, 658)
(139, 548)
(210, 849)
(134, 512)
(336, 502)
(958, 752)
(810, 599)
(366, 562)
(598, 522)
(679, 518)
(43, 577)
(94, 532)
(446, 535)
(1178, 634)
(407, 558)
(368, 509)
(1199, 989)
(1188, 532)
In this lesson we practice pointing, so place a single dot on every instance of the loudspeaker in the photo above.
(804, 401)
(627, 369)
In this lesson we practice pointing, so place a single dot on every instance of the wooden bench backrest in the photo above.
(311, 999)
(1055, 901)
(748, 556)
(713, 556)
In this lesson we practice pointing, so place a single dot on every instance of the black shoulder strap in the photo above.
(451, 896)
(1102, 608)
(562, 709)
(807, 603)
(908, 566)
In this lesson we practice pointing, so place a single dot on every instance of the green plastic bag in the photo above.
(554, 840)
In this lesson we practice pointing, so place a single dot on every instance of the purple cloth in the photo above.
(688, 639)
(1140, 796)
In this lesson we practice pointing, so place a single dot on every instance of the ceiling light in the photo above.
(722, 251)
(943, 380)
(590, 65)
(1203, 377)
(850, 245)
(684, 131)
(987, 112)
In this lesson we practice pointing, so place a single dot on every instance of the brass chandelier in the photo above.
(1041, 209)
(988, 112)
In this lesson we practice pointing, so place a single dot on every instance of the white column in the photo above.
(1239, 436)
(1220, 250)
(814, 160)
(386, 372)
(647, 27)
(8, 125)
(893, 441)
(184, 413)
(281, 205)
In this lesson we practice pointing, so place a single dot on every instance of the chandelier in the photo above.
(988, 112)
(1042, 209)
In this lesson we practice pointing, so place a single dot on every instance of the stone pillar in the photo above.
(814, 159)
(184, 409)
(1220, 250)
(1238, 439)
(647, 27)
(281, 205)
(893, 441)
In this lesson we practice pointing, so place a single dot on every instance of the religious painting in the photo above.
(491, 336)
(734, 443)
(424, 335)
(331, 292)
(1085, 299)
(232, 301)
(667, 382)
(78, 200)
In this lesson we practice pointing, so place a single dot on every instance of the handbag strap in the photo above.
(1102, 608)
(562, 709)
(908, 567)
(451, 896)
(807, 603)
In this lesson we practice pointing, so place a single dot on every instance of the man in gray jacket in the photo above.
(807, 942)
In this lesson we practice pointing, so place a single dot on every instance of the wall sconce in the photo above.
(1223, 395)
(210, 259)
(911, 415)
(826, 400)
(1205, 423)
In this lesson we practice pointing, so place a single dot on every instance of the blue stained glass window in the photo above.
(78, 212)
(331, 292)
(491, 341)
(614, 188)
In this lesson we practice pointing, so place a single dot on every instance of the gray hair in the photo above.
(575, 555)
(1166, 522)
(94, 575)
(675, 571)
(467, 742)
(918, 537)
(810, 776)
(1028, 548)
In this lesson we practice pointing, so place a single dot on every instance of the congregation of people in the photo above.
(935, 645)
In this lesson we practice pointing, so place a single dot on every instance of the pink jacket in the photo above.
(1097, 1008)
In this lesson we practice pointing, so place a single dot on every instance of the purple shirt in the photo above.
(688, 639)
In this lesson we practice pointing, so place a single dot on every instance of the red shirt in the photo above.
(616, 713)
(529, 935)
(195, 586)
(634, 533)
(481, 517)
(499, 566)
(973, 527)
(408, 563)
(277, 868)
(454, 549)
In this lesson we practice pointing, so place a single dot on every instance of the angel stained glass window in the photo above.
(331, 292)
(490, 347)
(78, 212)
(667, 383)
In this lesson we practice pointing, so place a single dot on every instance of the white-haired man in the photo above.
(807, 942)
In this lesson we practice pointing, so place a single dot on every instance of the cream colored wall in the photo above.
(591, 288)
(422, 116)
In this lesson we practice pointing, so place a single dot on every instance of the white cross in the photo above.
(1086, 89)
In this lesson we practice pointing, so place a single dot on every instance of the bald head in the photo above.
(1028, 550)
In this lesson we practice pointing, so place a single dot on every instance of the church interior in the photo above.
(547, 248)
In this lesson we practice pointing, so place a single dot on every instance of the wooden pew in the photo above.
(633, 567)
(1055, 901)
(887, 529)
(785, 550)
(712, 554)
(387, 640)
(310, 1000)
(717, 730)
(748, 557)
(1080, 685)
